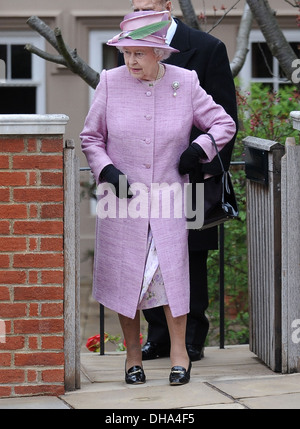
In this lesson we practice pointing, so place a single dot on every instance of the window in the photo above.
(102, 56)
(261, 66)
(22, 84)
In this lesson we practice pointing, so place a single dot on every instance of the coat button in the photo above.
(148, 93)
(147, 141)
(147, 166)
(148, 117)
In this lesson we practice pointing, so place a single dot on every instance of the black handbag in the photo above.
(220, 203)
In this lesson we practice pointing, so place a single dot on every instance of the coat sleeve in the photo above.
(94, 134)
(210, 117)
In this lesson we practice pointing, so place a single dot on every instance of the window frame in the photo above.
(38, 78)
(96, 39)
(245, 74)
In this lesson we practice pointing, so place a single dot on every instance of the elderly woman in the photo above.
(137, 130)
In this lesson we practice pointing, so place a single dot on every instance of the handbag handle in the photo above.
(213, 140)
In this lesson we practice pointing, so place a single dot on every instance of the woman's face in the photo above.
(141, 62)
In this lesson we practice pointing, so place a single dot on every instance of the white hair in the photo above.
(161, 53)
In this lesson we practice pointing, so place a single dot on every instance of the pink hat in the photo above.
(145, 28)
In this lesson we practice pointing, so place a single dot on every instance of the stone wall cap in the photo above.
(295, 115)
(262, 144)
(33, 124)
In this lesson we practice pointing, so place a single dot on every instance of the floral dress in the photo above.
(153, 292)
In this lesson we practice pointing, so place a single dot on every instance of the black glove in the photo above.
(115, 177)
(190, 158)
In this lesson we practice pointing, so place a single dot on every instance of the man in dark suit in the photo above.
(206, 55)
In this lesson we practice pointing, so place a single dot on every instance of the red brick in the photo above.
(12, 145)
(13, 211)
(38, 260)
(13, 178)
(41, 389)
(12, 277)
(52, 178)
(39, 162)
(9, 311)
(52, 211)
(5, 391)
(33, 343)
(53, 343)
(39, 358)
(38, 227)
(5, 359)
(33, 211)
(8, 376)
(32, 375)
(12, 244)
(51, 310)
(4, 226)
(33, 309)
(33, 277)
(4, 195)
(33, 180)
(33, 244)
(53, 375)
(4, 261)
(38, 194)
(54, 244)
(4, 161)
(36, 293)
(13, 343)
(39, 326)
(52, 277)
(4, 291)
(32, 145)
(52, 145)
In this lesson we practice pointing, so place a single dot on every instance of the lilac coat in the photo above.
(143, 132)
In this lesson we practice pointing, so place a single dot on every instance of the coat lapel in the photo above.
(180, 41)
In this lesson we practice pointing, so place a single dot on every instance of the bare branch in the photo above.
(296, 4)
(64, 50)
(223, 16)
(58, 59)
(242, 41)
(42, 28)
(67, 57)
(189, 14)
(274, 37)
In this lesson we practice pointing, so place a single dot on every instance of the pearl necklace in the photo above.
(159, 76)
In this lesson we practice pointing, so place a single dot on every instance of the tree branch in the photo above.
(67, 57)
(242, 41)
(58, 59)
(40, 27)
(189, 14)
(223, 16)
(274, 37)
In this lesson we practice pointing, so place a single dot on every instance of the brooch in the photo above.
(175, 86)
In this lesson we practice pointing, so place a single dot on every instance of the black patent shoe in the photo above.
(179, 375)
(152, 350)
(135, 375)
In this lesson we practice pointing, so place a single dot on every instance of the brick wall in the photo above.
(31, 260)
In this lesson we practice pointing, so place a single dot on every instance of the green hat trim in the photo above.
(145, 31)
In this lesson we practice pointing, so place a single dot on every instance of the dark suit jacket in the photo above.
(206, 55)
